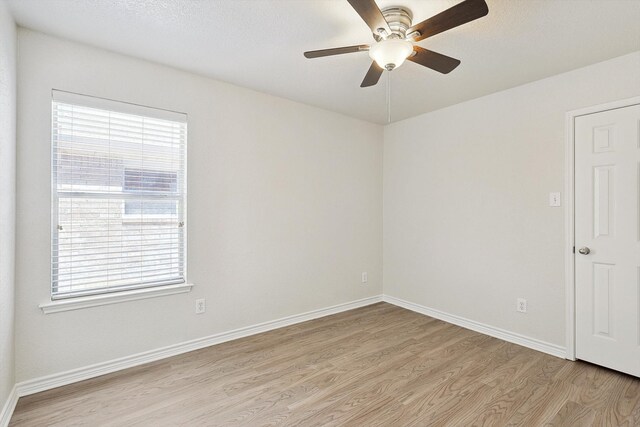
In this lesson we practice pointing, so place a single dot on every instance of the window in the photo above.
(118, 195)
(154, 182)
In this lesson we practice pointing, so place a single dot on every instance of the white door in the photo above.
(607, 238)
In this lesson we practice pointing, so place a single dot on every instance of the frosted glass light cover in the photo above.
(390, 53)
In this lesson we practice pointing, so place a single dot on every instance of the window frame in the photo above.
(103, 295)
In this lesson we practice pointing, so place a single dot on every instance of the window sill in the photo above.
(113, 298)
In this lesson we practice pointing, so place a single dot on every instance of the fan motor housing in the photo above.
(399, 19)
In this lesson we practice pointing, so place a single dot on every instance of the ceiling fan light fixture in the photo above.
(396, 36)
(390, 53)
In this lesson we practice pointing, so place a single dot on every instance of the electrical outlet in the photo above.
(364, 277)
(521, 305)
(201, 306)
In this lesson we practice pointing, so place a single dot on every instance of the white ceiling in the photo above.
(259, 44)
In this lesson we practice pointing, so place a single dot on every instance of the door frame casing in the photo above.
(569, 218)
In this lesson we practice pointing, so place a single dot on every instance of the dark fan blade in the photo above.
(373, 75)
(459, 14)
(434, 60)
(369, 12)
(336, 51)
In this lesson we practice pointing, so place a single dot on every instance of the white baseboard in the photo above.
(535, 344)
(9, 406)
(56, 380)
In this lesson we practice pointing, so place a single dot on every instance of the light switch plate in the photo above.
(554, 199)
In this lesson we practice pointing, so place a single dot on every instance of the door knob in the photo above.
(584, 250)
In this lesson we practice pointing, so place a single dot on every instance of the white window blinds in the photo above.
(118, 194)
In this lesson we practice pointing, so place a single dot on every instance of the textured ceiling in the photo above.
(259, 43)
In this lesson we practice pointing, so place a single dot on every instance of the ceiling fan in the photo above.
(395, 37)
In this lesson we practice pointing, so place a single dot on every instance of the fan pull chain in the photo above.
(388, 97)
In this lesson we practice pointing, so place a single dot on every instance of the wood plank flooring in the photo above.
(377, 365)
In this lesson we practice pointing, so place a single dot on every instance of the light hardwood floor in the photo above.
(378, 365)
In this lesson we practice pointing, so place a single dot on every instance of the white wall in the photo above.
(467, 227)
(285, 208)
(7, 198)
